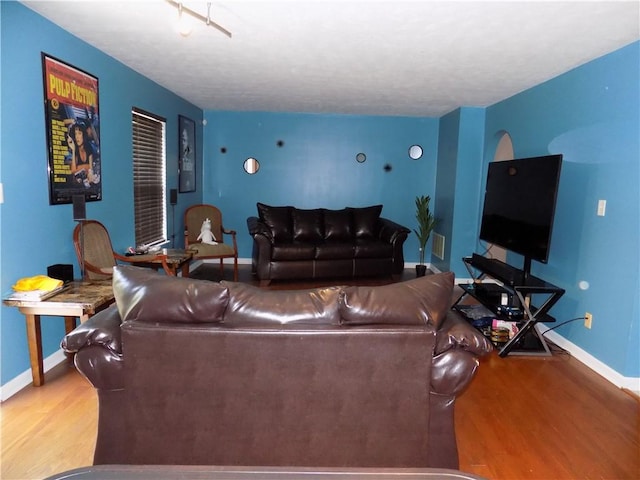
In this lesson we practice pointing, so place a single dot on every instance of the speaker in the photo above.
(61, 271)
(173, 196)
(79, 207)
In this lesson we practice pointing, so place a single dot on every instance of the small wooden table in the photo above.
(79, 299)
(176, 259)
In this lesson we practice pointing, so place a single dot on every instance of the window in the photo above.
(149, 178)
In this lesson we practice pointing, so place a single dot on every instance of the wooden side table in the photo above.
(176, 260)
(79, 299)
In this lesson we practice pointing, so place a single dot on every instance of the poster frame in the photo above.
(71, 104)
(186, 154)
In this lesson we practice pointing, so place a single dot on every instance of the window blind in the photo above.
(149, 178)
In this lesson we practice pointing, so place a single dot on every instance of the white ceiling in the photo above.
(413, 58)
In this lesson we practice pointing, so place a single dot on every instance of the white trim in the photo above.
(620, 381)
(429, 266)
(25, 379)
(227, 261)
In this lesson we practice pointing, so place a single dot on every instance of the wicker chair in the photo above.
(194, 216)
(97, 257)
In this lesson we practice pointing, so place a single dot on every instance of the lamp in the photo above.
(173, 200)
(183, 26)
(80, 215)
(184, 30)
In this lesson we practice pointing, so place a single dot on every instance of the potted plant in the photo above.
(426, 223)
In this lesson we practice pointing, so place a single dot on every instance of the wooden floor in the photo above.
(522, 418)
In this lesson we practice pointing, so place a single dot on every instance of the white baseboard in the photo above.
(25, 379)
(630, 383)
(429, 266)
(227, 261)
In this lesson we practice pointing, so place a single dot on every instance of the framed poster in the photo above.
(73, 131)
(187, 154)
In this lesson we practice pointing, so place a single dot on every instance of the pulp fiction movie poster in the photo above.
(73, 132)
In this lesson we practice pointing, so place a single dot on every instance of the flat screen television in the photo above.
(520, 204)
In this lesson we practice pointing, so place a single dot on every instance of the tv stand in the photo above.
(513, 294)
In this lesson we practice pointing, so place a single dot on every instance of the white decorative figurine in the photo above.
(206, 236)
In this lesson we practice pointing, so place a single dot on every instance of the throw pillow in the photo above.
(279, 221)
(147, 296)
(420, 301)
(249, 305)
(307, 225)
(365, 220)
(337, 225)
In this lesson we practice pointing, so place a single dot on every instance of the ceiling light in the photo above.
(184, 12)
(183, 26)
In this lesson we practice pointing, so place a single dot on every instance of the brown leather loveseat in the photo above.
(290, 243)
(191, 372)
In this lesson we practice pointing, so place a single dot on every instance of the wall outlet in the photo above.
(588, 318)
(602, 207)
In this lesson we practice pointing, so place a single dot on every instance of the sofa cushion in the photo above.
(249, 305)
(424, 300)
(334, 250)
(292, 251)
(148, 296)
(365, 220)
(372, 248)
(337, 225)
(307, 225)
(279, 221)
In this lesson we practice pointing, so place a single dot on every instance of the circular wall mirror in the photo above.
(361, 157)
(251, 165)
(415, 151)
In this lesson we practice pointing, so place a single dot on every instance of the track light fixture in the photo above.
(182, 10)
(183, 26)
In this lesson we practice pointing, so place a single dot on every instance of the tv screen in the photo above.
(520, 204)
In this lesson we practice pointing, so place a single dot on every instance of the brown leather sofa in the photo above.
(293, 243)
(191, 372)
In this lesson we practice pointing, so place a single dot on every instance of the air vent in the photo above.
(437, 247)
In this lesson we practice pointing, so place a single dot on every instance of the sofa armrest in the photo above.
(455, 360)
(97, 346)
(262, 246)
(456, 332)
(395, 234)
(258, 227)
(391, 231)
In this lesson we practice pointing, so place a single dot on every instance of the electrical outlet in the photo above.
(588, 318)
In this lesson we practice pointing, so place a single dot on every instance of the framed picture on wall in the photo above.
(72, 114)
(187, 154)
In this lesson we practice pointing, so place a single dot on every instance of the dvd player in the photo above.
(492, 294)
(497, 269)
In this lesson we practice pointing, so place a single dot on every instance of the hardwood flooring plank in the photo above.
(546, 418)
(48, 429)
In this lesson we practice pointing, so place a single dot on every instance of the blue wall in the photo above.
(591, 116)
(458, 187)
(33, 233)
(316, 165)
